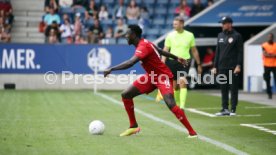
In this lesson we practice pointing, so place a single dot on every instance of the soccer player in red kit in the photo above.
(158, 75)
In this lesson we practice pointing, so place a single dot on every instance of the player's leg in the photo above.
(127, 98)
(167, 91)
(140, 86)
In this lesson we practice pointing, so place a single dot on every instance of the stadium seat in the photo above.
(159, 21)
(66, 10)
(162, 3)
(122, 41)
(164, 31)
(171, 10)
(132, 21)
(108, 22)
(162, 11)
(80, 10)
(154, 32)
(111, 41)
(149, 3)
(169, 20)
(88, 22)
(107, 2)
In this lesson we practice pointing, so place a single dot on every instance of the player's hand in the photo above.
(214, 70)
(106, 72)
(199, 69)
(237, 70)
(183, 61)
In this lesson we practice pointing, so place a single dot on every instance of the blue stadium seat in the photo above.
(158, 21)
(89, 22)
(149, 3)
(66, 10)
(169, 20)
(108, 2)
(107, 22)
(80, 10)
(174, 3)
(122, 41)
(164, 31)
(151, 38)
(162, 3)
(132, 21)
(171, 9)
(111, 41)
(161, 11)
(153, 32)
(98, 2)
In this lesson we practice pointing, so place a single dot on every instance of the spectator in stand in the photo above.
(65, 3)
(4, 34)
(207, 63)
(210, 2)
(80, 40)
(80, 3)
(196, 7)
(108, 35)
(92, 10)
(103, 14)
(78, 24)
(133, 11)
(53, 26)
(53, 37)
(95, 33)
(65, 17)
(183, 10)
(67, 32)
(50, 4)
(52, 16)
(120, 29)
(120, 10)
(144, 19)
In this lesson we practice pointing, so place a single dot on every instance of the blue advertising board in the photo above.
(78, 59)
(243, 12)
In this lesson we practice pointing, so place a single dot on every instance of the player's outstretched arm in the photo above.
(168, 54)
(124, 65)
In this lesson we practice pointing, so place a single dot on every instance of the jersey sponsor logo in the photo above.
(221, 40)
(138, 51)
(230, 40)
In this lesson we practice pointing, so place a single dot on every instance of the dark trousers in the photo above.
(267, 71)
(232, 83)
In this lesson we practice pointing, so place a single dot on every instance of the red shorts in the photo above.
(146, 85)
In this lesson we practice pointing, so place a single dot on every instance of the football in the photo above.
(96, 127)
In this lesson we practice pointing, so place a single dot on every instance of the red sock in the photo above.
(183, 119)
(129, 106)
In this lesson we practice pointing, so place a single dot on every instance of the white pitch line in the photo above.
(177, 127)
(263, 107)
(264, 123)
(260, 128)
(200, 112)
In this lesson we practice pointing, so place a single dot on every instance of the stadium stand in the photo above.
(155, 17)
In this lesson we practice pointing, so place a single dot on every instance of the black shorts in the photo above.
(175, 67)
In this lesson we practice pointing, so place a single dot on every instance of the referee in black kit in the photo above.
(228, 61)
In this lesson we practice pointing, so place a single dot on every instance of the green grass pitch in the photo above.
(56, 122)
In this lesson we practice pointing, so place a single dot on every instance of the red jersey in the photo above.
(151, 59)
